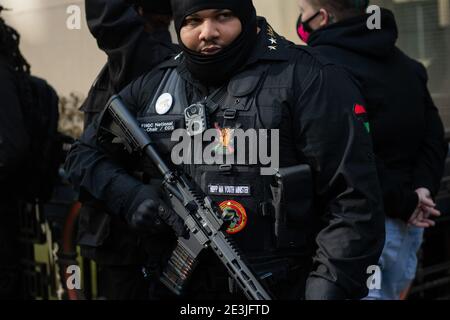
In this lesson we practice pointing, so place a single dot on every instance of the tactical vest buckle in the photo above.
(225, 168)
(230, 114)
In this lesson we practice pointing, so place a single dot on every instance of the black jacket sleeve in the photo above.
(399, 202)
(338, 147)
(103, 173)
(120, 33)
(14, 139)
(430, 163)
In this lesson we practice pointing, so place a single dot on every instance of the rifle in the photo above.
(202, 218)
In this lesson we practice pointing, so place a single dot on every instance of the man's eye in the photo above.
(192, 21)
(225, 15)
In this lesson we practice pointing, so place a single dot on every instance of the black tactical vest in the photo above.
(239, 186)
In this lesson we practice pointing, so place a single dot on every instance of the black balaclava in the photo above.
(155, 6)
(218, 68)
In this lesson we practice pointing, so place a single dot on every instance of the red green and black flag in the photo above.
(362, 115)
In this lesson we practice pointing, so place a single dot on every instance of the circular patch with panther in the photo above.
(234, 212)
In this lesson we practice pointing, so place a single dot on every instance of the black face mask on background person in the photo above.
(220, 67)
(304, 30)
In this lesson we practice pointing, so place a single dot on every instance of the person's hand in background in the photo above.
(426, 208)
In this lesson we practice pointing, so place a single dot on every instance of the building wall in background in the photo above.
(281, 14)
(68, 59)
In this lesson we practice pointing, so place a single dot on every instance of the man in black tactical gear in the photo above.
(135, 36)
(247, 77)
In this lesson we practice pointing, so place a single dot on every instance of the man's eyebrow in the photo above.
(194, 15)
(222, 10)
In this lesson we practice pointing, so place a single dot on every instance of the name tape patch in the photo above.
(158, 126)
(229, 190)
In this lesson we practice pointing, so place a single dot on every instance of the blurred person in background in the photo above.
(30, 149)
(14, 151)
(135, 36)
(407, 130)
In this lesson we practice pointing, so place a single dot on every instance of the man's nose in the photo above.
(209, 31)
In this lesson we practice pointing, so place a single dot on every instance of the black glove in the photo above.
(153, 215)
(145, 211)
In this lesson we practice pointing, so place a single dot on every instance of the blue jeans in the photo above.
(398, 261)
